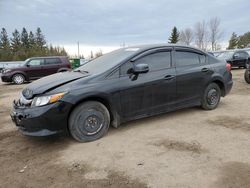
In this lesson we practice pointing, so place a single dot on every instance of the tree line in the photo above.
(206, 35)
(21, 46)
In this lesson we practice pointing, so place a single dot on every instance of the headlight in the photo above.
(6, 70)
(48, 99)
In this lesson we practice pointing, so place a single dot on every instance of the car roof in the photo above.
(47, 57)
(152, 46)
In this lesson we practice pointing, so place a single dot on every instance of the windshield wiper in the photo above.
(81, 71)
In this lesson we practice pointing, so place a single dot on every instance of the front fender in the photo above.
(20, 72)
(110, 101)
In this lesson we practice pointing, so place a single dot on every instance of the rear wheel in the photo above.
(89, 121)
(18, 79)
(211, 97)
(247, 76)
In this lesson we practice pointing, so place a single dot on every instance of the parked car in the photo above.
(120, 86)
(35, 68)
(237, 58)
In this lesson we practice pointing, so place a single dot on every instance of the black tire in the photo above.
(18, 79)
(211, 97)
(89, 121)
(247, 76)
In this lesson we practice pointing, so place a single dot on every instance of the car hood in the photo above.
(51, 82)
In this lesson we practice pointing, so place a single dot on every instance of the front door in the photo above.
(148, 93)
(34, 68)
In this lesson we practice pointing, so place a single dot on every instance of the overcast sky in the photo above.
(109, 23)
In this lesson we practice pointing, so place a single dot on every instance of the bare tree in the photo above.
(186, 36)
(214, 32)
(200, 32)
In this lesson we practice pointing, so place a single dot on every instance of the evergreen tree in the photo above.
(5, 52)
(244, 40)
(15, 41)
(174, 38)
(91, 55)
(233, 42)
(25, 39)
(25, 45)
(40, 39)
(32, 40)
(4, 40)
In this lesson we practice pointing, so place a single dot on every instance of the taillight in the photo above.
(228, 66)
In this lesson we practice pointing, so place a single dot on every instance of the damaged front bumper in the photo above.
(41, 121)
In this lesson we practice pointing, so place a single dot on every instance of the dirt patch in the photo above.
(36, 159)
(231, 122)
(113, 179)
(3, 96)
(194, 146)
(234, 175)
(4, 135)
(27, 152)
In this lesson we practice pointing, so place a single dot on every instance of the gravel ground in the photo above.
(187, 148)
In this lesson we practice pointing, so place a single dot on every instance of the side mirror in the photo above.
(27, 65)
(140, 68)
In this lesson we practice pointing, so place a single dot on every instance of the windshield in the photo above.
(107, 61)
(226, 55)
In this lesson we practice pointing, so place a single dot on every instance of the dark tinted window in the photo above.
(156, 61)
(186, 58)
(202, 59)
(36, 62)
(52, 61)
(241, 55)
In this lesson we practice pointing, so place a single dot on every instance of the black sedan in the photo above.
(123, 85)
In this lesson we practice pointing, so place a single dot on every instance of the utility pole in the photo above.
(78, 49)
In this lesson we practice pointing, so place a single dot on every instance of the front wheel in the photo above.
(211, 97)
(247, 76)
(89, 121)
(18, 79)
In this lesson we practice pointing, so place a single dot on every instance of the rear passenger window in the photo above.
(52, 61)
(186, 58)
(156, 61)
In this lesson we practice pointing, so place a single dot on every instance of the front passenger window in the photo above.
(36, 62)
(155, 61)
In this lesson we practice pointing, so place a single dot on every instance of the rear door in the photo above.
(51, 66)
(193, 74)
(34, 69)
(151, 92)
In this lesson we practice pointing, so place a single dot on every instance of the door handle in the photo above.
(169, 77)
(204, 70)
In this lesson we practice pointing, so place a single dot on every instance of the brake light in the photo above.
(228, 66)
